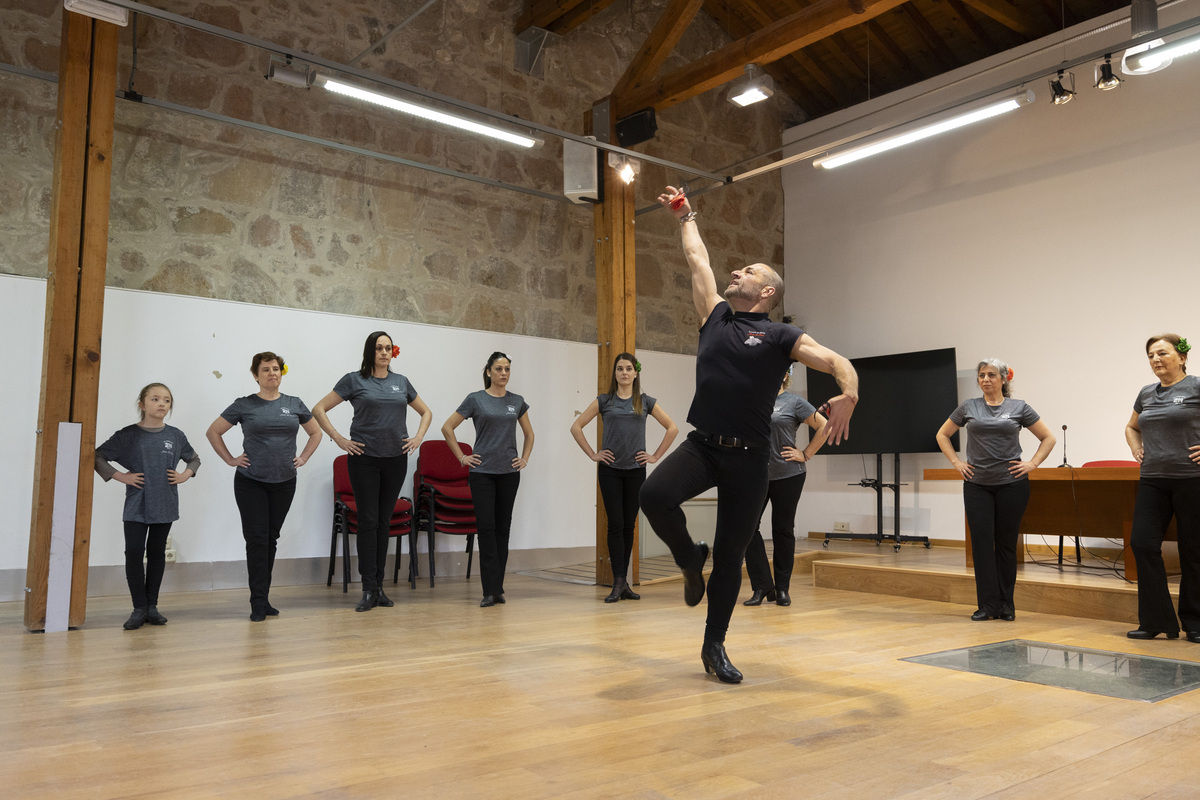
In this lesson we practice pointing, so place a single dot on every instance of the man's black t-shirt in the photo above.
(739, 367)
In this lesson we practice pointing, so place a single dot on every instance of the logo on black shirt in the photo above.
(512, 409)
(755, 338)
(168, 445)
(285, 411)
(395, 388)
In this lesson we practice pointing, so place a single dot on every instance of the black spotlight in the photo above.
(1105, 79)
(1058, 94)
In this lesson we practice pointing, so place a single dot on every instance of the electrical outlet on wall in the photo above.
(841, 527)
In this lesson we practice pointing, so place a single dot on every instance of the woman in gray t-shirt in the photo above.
(495, 467)
(1164, 436)
(621, 462)
(785, 475)
(377, 449)
(265, 480)
(995, 481)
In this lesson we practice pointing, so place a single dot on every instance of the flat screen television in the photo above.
(903, 400)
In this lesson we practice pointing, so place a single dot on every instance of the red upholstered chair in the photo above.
(345, 522)
(443, 495)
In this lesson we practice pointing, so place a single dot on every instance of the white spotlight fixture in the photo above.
(1060, 95)
(1105, 79)
(429, 114)
(98, 10)
(283, 72)
(1160, 56)
(925, 128)
(754, 88)
(626, 167)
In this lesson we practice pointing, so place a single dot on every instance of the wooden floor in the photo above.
(558, 695)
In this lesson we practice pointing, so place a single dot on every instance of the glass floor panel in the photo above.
(1121, 675)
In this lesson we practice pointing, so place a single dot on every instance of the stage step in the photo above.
(1117, 603)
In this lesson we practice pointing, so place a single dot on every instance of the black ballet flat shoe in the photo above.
(1192, 636)
(272, 611)
(629, 594)
(136, 620)
(782, 598)
(367, 602)
(1141, 634)
(759, 595)
(382, 599)
(500, 599)
(155, 618)
(693, 577)
(713, 656)
(982, 616)
(257, 614)
(615, 595)
(488, 601)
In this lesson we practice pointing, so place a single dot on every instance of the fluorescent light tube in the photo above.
(98, 10)
(1151, 59)
(440, 117)
(890, 141)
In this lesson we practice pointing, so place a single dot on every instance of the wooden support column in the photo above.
(616, 320)
(78, 252)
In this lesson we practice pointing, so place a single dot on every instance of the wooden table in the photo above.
(1067, 501)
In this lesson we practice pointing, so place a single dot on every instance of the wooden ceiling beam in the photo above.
(977, 30)
(937, 45)
(659, 43)
(577, 16)
(1007, 15)
(894, 50)
(782, 38)
(829, 80)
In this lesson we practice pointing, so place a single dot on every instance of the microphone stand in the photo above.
(1065, 464)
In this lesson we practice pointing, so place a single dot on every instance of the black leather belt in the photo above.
(725, 441)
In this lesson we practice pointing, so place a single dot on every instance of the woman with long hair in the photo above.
(378, 450)
(495, 468)
(622, 459)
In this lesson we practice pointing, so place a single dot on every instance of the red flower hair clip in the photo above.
(1009, 376)
(396, 351)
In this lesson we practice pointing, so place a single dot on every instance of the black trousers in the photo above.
(994, 515)
(263, 508)
(1158, 499)
(376, 483)
(148, 541)
(619, 489)
(740, 476)
(494, 497)
(784, 496)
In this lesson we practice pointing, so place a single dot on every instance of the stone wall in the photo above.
(216, 210)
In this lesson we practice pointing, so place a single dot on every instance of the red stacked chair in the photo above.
(443, 498)
(345, 522)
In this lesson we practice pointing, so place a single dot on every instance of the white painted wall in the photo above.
(201, 349)
(1056, 238)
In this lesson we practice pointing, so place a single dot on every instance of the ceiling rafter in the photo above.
(937, 45)
(973, 25)
(671, 26)
(1007, 15)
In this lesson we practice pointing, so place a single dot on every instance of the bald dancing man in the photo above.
(740, 364)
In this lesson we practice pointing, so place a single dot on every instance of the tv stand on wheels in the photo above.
(878, 485)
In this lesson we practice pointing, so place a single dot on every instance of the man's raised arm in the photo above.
(838, 409)
(704, 284)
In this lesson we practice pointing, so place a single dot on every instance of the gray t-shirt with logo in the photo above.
(495, 420)
(151, 452)
(790, 412)
(268, 434)
(624, 431)
(993, 436)
(1169, 418)
(380, 411)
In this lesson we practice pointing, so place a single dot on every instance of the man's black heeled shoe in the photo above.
(693, 577)
(153, 617)
(759, 595)
(367, 602)
(382, 599)
(500, 599)
(981, 615)
(713, 656)
(1192, 636)
(782, 597)
(1141, 634)
(488, 601)
(1009, 616)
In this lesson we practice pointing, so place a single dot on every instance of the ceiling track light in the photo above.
(429, 114)
(1105, 79)
(1158, 57)
(754, 88)
(281, 71)
(1059, 94)
(924, 128)
(98, 10)
(627, 168)
(1143, 17)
